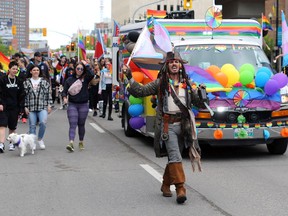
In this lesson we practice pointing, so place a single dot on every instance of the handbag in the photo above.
(75, 88)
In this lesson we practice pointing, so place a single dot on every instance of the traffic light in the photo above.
(187, 5)
(88, 39)
(44, 32)
(68, 48)
(72, 46)
(14, 30)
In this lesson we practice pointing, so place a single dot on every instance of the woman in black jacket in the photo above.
(76, 94)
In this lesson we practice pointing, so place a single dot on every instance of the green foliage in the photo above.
(3, 48)
(270, 43)
(89, 47)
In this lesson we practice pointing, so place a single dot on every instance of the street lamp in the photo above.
(270, 15)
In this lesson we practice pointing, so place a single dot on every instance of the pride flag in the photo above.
(99, 47)
(81, 50)
(116, 30)
(266, 25)
(284, 40)
(156, 13)
(144, 55)
(161, 38)
(4, 61)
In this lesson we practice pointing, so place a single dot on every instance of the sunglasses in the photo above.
(80, 69)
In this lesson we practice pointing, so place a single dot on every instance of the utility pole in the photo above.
(276, 36)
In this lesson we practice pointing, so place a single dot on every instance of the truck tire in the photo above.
(278, 146)
(129, 131)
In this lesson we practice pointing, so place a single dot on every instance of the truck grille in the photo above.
(251, 117)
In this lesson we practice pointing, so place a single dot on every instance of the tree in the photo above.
(4, 49)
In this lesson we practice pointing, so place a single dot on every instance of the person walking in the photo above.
(38, 101)
(105, 89)
(93, 89)
(11, 99)
(22, 74)
(175, 123)
(76, 94)
(38, 60)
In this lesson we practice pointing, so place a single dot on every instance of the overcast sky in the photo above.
(65, 16)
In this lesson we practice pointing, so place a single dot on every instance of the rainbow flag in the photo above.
(81, 50)
(196, 28)
(266, 24)
(4, 61)
(156, 13)
(284, 40)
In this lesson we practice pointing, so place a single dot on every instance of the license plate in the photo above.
(242, 133)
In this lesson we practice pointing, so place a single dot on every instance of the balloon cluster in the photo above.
(228, 76)
(269, 82)
(135, 110)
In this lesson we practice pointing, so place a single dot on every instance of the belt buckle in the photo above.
(165, 136)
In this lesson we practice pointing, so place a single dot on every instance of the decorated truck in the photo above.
(247, 98)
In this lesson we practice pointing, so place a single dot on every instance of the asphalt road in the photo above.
(116, 175)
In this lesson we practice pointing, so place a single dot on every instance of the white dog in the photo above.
(23, 142)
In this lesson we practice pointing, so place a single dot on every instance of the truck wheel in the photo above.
(129, 131)
(278, 146)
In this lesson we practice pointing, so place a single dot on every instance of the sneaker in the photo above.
(2, 148)
(110, 118)
(90, 110)
(70, 147)
(24, 120)
(95, 113)
(11, 147)
(41, 144)
(81, 146)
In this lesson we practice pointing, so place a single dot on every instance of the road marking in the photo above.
(155, 174)
(96, 127)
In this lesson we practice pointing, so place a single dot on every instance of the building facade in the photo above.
(130, 11)
(18, 11)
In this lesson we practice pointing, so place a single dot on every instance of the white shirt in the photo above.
(35, 83)
(172, 107)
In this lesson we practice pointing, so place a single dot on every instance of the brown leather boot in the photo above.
(177, 177)
(181, 193)
(165, 188)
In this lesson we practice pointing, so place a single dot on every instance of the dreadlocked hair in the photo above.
(164, 79)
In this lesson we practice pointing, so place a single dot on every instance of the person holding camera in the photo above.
(175, 122)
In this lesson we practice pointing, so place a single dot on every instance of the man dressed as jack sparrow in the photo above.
(175, 122)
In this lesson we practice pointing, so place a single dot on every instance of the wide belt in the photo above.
(169, 119)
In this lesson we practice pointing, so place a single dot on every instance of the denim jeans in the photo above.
(172, 144)
(42, 119)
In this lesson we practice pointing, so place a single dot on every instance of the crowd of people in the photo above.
(33, 86)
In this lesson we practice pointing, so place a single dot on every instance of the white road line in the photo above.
(96, 127)
(155, 174)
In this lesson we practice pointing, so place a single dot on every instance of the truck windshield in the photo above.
(206, 55)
